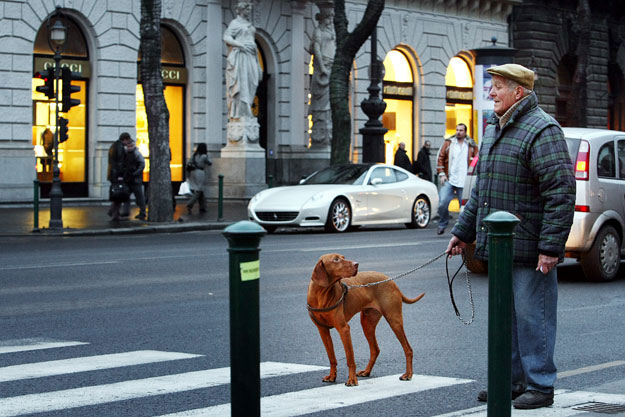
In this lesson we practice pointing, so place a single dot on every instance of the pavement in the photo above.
(89, 217)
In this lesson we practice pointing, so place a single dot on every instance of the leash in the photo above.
(450, 282)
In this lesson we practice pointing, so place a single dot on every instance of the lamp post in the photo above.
(57, 35)
(374, 106)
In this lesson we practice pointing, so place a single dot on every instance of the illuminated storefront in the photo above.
(73, 152)
(399, 97)
(459, 96)
(175, 79)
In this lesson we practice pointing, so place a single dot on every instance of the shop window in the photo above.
(399, 97)
(73, 152)
(459, 90)
(175, 78)
(564, 83)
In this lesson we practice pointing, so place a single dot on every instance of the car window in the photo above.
(385, 173)
(621, 158)
(573, 145)
(401, 176)
(337, 174)
(606, 164)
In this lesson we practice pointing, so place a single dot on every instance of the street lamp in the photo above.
(57, 35)
(373, 107)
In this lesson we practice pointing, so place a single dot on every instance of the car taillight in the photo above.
(472, 165)
(582, 164)
(583, 209)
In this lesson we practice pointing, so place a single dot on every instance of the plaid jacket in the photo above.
(523, 168)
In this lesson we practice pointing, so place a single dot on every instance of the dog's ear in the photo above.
(320, 275)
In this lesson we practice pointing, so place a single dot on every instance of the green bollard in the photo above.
(36, 205)
(501, 226)
(244, 238)
(220, 199)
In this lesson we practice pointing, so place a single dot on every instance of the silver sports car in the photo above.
(342, 196)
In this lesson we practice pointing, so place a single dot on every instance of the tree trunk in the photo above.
(347, 45)
(578, 100)
(160, 203)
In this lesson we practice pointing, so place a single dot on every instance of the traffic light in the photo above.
(62, 130)
(48, 79)
(68, 89)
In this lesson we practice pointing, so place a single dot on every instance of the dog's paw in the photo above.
(352, 382)
(405, 377)
(329, 378)
(364, 374)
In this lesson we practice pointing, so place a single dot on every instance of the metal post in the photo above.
(56, 193)
(36, 205)
(501, 226)
(374, 131)
(220, 199)
(244, 238)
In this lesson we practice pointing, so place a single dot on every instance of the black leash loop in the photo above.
(450, 282)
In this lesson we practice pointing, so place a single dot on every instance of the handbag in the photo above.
(191, 166)
(184, 189)
(119, 192)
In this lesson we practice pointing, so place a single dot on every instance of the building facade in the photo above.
(430, 85)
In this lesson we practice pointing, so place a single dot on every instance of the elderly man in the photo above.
(525, 169)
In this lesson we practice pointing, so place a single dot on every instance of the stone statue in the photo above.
(323, 47)
(243, 74)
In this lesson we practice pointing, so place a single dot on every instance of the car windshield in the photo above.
(338, 174)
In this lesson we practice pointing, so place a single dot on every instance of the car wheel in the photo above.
(602, 261)
(421, 214)
(339, 216)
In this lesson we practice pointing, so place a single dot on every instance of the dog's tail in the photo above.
(412, 300)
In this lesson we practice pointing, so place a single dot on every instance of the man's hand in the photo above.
(455, 246)
(546, 263)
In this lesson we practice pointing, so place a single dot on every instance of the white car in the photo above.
(342, 196)
(597, 234)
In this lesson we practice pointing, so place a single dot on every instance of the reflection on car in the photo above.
(596, 237)
(341, 196)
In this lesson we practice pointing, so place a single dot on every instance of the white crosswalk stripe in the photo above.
(295, 403)
(334, 396)
(23, 345)
(127, 390)
(88, 363)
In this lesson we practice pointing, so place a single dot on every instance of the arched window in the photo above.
(73, 152)
(399, 97)
(175, 79)
(459, 90)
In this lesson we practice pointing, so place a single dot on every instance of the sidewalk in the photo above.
(89, 217)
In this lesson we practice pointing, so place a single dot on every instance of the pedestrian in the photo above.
(196, 168)
(452, 163)
(524, 168)
(422, 166)
(116, 167)
(133, 176)
(401, 158)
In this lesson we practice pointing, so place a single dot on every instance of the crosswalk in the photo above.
(298, 402)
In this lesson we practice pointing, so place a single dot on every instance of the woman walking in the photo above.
(196, 168)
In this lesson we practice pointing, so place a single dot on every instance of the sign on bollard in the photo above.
(501, 226)
(244, 239)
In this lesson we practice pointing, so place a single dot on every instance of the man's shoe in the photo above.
(140, 216)
(483, 395)
(533, 399)
(440, 231)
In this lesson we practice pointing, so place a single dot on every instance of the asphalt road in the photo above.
(141, 325)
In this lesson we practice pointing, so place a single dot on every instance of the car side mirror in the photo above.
(376, 181)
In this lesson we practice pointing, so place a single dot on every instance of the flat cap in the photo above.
(515, 72)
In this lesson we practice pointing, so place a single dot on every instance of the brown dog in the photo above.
(330, 305)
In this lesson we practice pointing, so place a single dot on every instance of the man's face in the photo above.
(461, 132)
(427, 145)
(503, 96)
